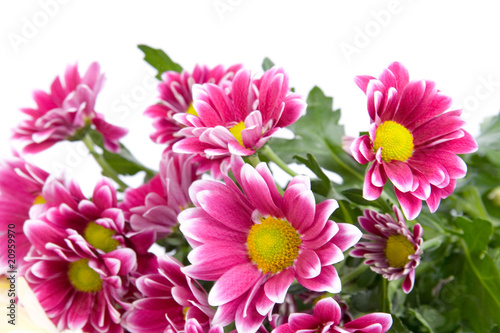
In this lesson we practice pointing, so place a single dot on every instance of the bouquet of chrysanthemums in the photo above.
(345, 247)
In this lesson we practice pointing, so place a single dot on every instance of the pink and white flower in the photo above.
(68, 108)
(241, 120)
(327, 316)
(170, 300)
(83, 260)
(255, 242)
(412, 140)
(176, 97)
(391, 249)
(20, 191)
(156, 204)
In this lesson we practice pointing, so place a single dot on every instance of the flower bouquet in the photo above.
(262, 216)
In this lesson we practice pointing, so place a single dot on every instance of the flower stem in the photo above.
(107, 170)
(271, 155)
(254, 159)
(354, 274)
(386, 304)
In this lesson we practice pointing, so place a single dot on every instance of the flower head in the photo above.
(391, 250)
(412, 141)
(67, 109)
(83, 258)
(176, 97)
(156, 204)
(240, 120)
(21, 186)
(170, 300)
(327, 316)
(254, 242)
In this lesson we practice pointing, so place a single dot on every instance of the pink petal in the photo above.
(347, 236)
(234, 283)
(277, 286)
(328, 310)
(410, 205)
(328, 281)
(308, 264)
(383, 319)
(400, 175)
(79, 311)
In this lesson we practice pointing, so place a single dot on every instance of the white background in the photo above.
(324, 43)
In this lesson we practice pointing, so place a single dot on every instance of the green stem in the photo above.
(354, 274)
(342, 164)
(254, 159)
(107, 170)
(386, 306)
(433, 242)
(271, 155)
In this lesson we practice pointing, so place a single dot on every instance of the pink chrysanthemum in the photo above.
(412, 140)
(68, 108)
(156, 204)
(83, 260)
(20, 191)
(326, 318)
(392, 250)
(176, 97)
(170, 300)
(255, 242)
(240, 120)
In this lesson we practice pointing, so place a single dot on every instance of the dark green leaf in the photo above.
(324, 186)
(159, 60)
(267, 64)
(124, 163)
(320, 134)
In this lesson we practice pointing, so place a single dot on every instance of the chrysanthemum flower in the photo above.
(170, 300)
(241, 120)
(391, 250)
(20, 190)
(156, 204)
(83, 260)
(67, 109)
(412, 140)
(326, 318)
(176, 97)
(254, 242)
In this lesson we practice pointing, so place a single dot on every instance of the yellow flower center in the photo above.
(397, 251)
(100, 237)
(84, 278)
(273, 245)
(39, 200)
(236, 132)
(396, 141)
(192, 111)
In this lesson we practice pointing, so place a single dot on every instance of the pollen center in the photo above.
(273, 245)
(39, 200)
(100, 237)
(192, 111)
(236, 132)
(397, 251)
(396, 141)
(84, 278)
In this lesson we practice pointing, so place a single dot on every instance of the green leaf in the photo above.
(124, 163)
(398, 326)
(267, 64)
(324, 186)
(480, 304)
(159, 60)
(319, 133)
(476, 234)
